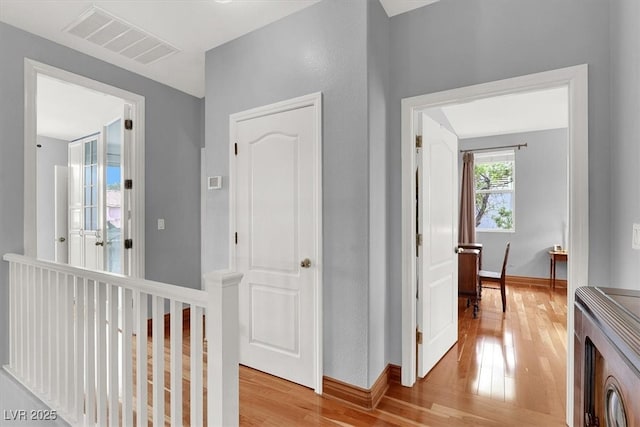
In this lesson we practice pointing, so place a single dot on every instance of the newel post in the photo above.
(222, 352)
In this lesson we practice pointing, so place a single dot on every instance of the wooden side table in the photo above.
(555, 256)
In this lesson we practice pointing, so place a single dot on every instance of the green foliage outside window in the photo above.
(494, 195)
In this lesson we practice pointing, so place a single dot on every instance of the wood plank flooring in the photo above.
(506, 370)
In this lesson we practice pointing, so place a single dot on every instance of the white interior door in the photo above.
(278, 226)
(75, 173)
(93, 231)
(438, 283)
(61, 212)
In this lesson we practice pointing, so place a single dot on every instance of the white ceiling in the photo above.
(67, 111)
(515, 113)
(192, 26)
(396, 7)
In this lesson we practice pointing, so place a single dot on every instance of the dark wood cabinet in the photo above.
(607, 357)
(468, 282)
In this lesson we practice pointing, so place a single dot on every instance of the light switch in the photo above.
(160, 223)
(635, 240)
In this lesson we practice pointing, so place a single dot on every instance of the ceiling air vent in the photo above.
(101, 28)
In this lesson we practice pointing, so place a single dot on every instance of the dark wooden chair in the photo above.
(468, 284)
(495, 277)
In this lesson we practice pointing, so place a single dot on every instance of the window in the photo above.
(494, 176)
(91, 185)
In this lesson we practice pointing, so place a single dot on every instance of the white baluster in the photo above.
(51, 325)
(141, 360)
(158, 360)
(57, 361)
(176, 363)
(222, 348)
(113, 357)
(80, 324)
(44, 325)
(37, 322)
(13, 321)
(127, 358)
(89, 351)
(69, 347)
(101, 353)
(196, 366)
(31, 336)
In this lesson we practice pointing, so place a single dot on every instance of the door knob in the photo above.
(458, 250)
(61, 239)
(99, 243)
(305, 263)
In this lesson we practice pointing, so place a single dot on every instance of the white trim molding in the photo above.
(576, 80)
(312, 100)
(136, 102)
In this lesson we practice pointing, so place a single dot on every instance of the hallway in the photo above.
(501, 372)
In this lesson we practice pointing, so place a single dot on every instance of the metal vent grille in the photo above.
(101, 28)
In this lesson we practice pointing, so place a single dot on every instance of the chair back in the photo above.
(504, 263)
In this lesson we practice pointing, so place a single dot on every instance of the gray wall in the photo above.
(322, 48)
(51, 153)
(378, 90)
(172, 160)
(540, 204)
(625, 149)
(456, 43)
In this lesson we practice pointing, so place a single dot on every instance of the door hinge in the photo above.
(236, 237)
(418, 141)
(128, 124)
(418, 239)
(128, 184)
(418, 337)
(235, 148)
(128, 243)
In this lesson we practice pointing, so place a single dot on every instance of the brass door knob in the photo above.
(305, 263)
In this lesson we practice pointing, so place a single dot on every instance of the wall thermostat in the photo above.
(214, 182)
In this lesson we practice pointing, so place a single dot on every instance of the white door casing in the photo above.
(135, 167)
(276, 212)
(61, 213)
(438, 284)
(576, 79)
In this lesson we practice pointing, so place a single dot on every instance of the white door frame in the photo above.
(31, 70)
(576, 79)
(314, 100)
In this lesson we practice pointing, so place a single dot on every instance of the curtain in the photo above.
(467, 225)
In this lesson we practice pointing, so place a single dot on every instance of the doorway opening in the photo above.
(575, 80)
(84, 172)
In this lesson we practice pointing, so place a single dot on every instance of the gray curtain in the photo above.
(467, 225)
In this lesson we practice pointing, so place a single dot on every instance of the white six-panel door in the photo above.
(277, 220)
(438, 283)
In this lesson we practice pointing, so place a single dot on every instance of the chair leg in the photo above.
(504, 297)
(468, 301)
(475, 309)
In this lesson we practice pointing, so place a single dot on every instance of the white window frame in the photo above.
(477, 160)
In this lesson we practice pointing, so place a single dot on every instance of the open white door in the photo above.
(61, 211)
(438, 262)
(86, 244)
(75, 181)
(277, 219)
(113, 218)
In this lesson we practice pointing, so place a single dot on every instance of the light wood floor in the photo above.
(506, 370)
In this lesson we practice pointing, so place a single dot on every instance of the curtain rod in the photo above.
(518, 146)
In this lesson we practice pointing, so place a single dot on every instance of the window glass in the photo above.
(494, 177)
